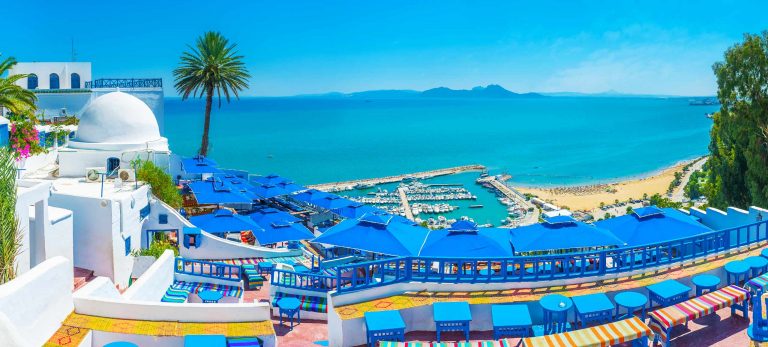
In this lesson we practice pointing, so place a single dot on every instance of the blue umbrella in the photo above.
(558, 233)
(281, 231)
(290, 187)
(651, 225)
(333, 202)
(224, 221)
(269, 190)
(376, 232)
(240, 185)
(355, 210)
(273, 214)
(199, 165)
(465, 240)
(217, 192)
(309, 196)
(270, 179)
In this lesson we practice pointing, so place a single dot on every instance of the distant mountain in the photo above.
(491, 91)
(610, 94)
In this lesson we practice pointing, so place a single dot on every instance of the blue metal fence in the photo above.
(358, 276)
(208, 269)
(125, 83)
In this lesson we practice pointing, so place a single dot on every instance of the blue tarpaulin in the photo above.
(224, 221)
(199, 165)
(559, 235)
(465, 240)
(652, 227)
(378, 233)
(217, 192)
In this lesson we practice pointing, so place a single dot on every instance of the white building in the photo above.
(53, 75)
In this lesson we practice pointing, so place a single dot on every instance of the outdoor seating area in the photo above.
(308, 303)
(179, 291)
(252, 277)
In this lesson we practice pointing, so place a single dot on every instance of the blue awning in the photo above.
(199, 165)
(310, 195)
(270, 179)
(281, 231)
(378, 233)
(224, 221)
(356, 210)
(269, 190)
(650, 226)
(290, 187)
(560, 235)
(333, 202)
(465, 240)
(273, 214)
(217, 192)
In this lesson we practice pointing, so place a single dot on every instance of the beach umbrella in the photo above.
(274, 231)
(377, 233)
(273, 214)
(214, 191)
(270, 179)
(355, 210)
(224, 221)
(651, 225)
(199, 165)
(560, 233)
(463, 239)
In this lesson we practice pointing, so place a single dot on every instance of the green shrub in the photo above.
(161, 182)
(156, 249)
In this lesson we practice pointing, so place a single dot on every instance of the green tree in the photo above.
(13, 97)
(10, 232)
(212, 66)
(738, 146)
(161, 182)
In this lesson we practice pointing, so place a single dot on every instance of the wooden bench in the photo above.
(663, 320)
(630, 329)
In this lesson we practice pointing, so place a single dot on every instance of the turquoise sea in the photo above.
(539, 141)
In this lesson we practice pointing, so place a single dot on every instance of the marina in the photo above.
(370, 182)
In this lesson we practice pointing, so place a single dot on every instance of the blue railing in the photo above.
(358, 276)
(303, 280)
(208, 269)
(125, 83)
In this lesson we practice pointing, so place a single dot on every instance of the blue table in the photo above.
(735, 270)
(705, 282)
(667, 293)
(205, 341)
(265, 267)
(593, 308)
(757, 264)
(289, 306)
(511, 320)
(210, 296)
(121, 344)
(632, 301)
(555, 308)
(451, 316)
(384, 326)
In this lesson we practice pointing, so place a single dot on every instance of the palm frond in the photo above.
(10, 233)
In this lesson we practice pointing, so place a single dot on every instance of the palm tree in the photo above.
(211, 66)
(13, 97)
(10, 233)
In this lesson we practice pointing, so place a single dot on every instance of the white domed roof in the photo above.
(117, 118)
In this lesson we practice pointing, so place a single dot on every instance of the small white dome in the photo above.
(117, 118)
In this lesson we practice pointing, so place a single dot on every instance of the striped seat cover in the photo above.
(179, 291)
(502, 343)
(244, 342)
(308, 303)
(602, 335)
(253, 280)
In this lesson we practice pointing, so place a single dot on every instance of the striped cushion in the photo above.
(244, 342)
(253, 279)
(196, 287)
(175, 295)
(442, 344)
(610, 334)
(308, 303)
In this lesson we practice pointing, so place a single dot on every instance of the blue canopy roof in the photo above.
(647, 211)
(465, 240)
(269, 190)
(199, 165)
(224, 221)
(290, 187)
(270, 179)
(560, 235)
(240, 185)
(668, 225)
(355, 210)
(559, 220)
(274, 231)
(378, 233)
(272, 215)
(217, 192)
(333, 202)
(310, 195)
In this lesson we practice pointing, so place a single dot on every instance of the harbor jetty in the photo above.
(404, 203)
(498, 183)
(349, 185)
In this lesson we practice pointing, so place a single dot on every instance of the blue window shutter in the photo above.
(128, 245)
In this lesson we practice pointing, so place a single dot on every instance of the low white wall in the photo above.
(100, 287)
(152, 285)
(161, 311)
(37, 302)
(730, 218)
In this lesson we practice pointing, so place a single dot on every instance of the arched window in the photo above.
(74, 81)
(54, 81)
(32, 81)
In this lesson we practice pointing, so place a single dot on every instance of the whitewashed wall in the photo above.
(31, 193)
(37, 302)
(152, 285)
(54, 237)
(730, 218)
(43, 70)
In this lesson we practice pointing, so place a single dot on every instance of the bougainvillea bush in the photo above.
(25, 141)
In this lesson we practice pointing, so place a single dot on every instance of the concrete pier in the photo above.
(530, 217)
(349, 185)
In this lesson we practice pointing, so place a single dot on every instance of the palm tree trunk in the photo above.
(207, 125)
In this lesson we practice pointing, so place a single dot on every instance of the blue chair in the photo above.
(758, 330)
(705, 282)
(736, 272)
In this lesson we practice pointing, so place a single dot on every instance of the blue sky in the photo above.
(295, 47)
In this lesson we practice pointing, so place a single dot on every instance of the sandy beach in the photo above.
(589, 197)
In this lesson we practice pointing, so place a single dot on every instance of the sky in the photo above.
(305, 47)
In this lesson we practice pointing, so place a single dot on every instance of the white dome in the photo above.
(118, 118)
